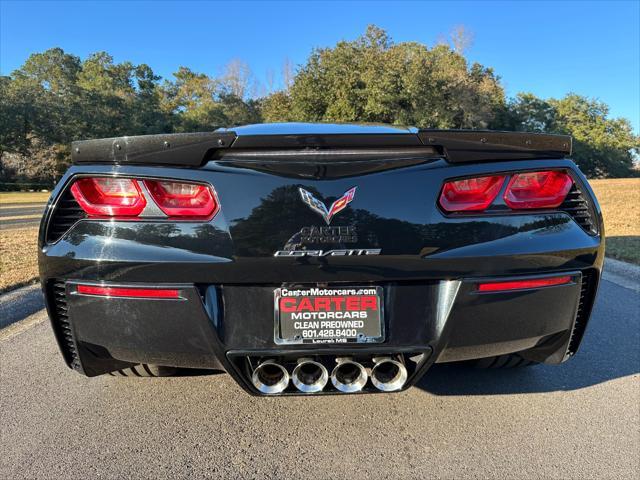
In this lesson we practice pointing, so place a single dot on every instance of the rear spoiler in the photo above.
(461, 146)
(195, 149)
(181, 149)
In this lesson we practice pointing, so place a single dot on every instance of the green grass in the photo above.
(624, 248)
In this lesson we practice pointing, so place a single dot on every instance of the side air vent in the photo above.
(67, 213)
(61, 325)
(578, 207)
(587, 297)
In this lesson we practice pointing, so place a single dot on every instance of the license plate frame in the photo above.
(372, 330)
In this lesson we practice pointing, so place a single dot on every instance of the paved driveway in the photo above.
(20, 215)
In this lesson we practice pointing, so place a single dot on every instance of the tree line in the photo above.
(56, 97)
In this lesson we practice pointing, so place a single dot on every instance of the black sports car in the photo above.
(317, 258)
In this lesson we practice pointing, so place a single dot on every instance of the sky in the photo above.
(547, 48)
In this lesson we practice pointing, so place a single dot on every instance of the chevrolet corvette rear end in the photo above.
(315, 259)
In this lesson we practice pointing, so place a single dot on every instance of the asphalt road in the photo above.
(577, 420)
(8, 212)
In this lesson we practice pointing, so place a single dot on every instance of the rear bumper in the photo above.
(219, 326)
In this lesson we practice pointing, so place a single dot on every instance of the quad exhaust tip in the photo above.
(388, 375)
(270, 377)
(348, 376)
(309, 376)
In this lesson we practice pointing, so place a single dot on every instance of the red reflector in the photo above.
(127, 292)
(109, 196)
(470, 194)
(537, 189)
(179, 199)
(523, 284)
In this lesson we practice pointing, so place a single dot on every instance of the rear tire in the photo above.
(510, 360)
(145, 370)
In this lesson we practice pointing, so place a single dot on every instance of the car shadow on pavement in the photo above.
(197, 372)
(610, 350)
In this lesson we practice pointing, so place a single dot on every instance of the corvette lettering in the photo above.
(328, 253)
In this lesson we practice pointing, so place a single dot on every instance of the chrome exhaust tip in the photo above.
(348, 376)
(309, 376)
(270, 377)
(388, 375)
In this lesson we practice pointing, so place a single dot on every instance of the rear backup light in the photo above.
(127, 292)
(523, 284)
(537, 190)
(108, 196)
(470, 194)
(178, 199)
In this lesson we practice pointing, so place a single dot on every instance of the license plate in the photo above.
(328, 315)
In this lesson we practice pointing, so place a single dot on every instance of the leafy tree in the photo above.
(15, 115)
(192, 98)
(47, 81)
(53, 70)
(55, 98)
(107, 94)
(201, 103)
(277, 107)
(239, 112)
(528, 113)
(373, 79)
(149, 116)
(45, 162)
(602, 146)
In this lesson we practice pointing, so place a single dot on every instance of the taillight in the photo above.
(537, 189)
(125, 197)
(108, 196)
(470, 194)
(179, 199)
(528, 190)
